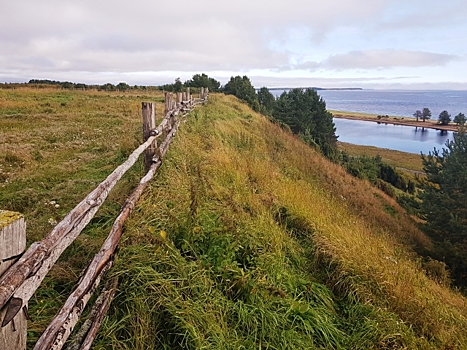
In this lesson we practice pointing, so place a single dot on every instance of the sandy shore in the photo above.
(429, 124)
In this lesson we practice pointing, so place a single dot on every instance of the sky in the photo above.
(378, 44)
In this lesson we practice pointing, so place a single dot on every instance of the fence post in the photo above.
(12, 245)
(149, 123)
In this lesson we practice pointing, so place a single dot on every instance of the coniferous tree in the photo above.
(304, 111)
(202, 80)
(417, 114)
(426, 114)
(444, 118)
(242, 88)
(266, 101)
(460, 119)
(444, 199)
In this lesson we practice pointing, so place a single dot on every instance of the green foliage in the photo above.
(123, 87)
(241, 87)
(443, 201)
(418, 114)
(202, 80)
(177, 86)
(459, 119)
(266, 101)
(426, 114)
(304, 111)
(377, 172)
(444, 118)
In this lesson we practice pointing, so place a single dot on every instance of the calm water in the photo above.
(402, 103)
(397, 137)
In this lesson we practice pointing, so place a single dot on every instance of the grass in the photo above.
(250, 239)
(55, 147)
(398, 159)
(246, 239)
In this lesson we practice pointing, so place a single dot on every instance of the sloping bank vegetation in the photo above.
(251, 239)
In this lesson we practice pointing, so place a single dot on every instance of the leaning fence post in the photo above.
(149, 124)
(13, 331)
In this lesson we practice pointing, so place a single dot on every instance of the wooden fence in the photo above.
(22, 273)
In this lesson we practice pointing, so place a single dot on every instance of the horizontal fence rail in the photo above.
(20, 281)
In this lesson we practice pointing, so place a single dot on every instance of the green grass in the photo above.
(55, 147)
(410, 161)
(247, 238)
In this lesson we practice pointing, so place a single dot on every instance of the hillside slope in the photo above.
(250, 239)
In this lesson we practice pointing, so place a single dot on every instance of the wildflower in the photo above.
(52, 221)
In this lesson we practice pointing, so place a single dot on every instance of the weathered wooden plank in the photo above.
(28, 272)
(13, 329)
(63, 323)
(12, 238)
(88, 331)
(20, 282)
(149, 124)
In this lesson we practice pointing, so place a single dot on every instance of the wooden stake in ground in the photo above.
(13, 329)
(149, 125)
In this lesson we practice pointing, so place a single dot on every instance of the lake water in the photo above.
(397, 137)
(401, 103)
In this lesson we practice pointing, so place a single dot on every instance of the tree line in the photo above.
(444, 117)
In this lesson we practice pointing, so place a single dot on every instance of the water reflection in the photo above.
(397, 137)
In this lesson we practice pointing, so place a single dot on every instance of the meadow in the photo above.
(55, 147)
(246, 239)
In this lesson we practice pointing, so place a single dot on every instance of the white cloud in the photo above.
(101, 39)
(378, 59)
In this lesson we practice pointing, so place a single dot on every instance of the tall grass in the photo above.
(55, 147)
(250, 239)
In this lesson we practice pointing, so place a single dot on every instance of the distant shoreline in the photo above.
(428, 124)
(316, 88)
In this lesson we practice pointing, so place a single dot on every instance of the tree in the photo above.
(444, 118)
(426, 114)
(460, 119)
(266, 101)
(443, 202)
(107, 87)
(175, 87)
(304, 111)
(123, 87)
(242, 88)
(417, 114)
(202, 80)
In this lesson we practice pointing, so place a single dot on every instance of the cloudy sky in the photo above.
(411, 44)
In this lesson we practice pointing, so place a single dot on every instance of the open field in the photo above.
(430, 123)
(55, 147)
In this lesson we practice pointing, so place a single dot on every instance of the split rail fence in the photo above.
(21, 273)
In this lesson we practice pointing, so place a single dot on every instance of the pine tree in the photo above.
(305, 113)
(444, 118)
(444, 199)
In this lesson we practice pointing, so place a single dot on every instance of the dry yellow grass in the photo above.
(352, 230)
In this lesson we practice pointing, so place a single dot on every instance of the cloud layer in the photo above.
(142, 40)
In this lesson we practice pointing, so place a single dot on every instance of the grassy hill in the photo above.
(247, 239)
(250, 239)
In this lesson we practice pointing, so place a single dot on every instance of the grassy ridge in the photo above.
(250, 239)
